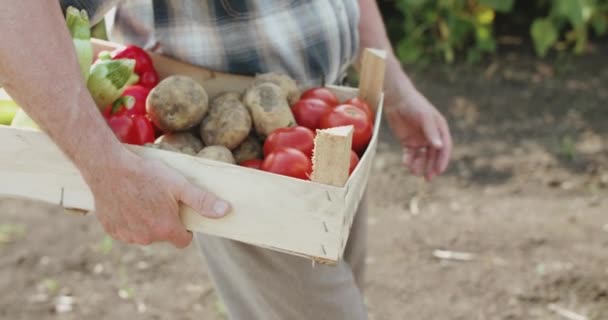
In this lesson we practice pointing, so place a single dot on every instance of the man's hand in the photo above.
(422, 131)
(137, 201)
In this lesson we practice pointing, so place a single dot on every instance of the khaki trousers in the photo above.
(255, 283)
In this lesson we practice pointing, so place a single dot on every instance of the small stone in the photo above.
(141, 307)
(64, 304)
(142, 265)
(98, 269)
(44, 261)
(123, 294)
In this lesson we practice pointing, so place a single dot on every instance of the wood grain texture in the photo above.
(371, 80)
(357, 184)
(269, 210)
(371, 87)
(331, 155)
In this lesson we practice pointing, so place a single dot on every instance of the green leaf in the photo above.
(106, 244)
(544, 35)
(415, 4)
(409, 51)
(600, 24)
(581, 39)
(460, 31)
(498, 5)
(485, 16)
(473, 56)
(447, 51)
(485, 41)
(577, 12)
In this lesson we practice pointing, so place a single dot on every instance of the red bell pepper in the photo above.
(133, 129)
(131, 102)
(127, 117)
(144, 66)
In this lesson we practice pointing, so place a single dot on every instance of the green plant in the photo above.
(10, 232)
(106, 244)
(444, 27)
(425, 30)
(572, 18)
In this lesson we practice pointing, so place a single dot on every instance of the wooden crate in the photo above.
(305, 218)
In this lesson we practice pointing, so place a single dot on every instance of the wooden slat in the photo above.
(371, 84)
(14, 184)
(331, 155)
(371, 80)
(357, 184)
(295, 215)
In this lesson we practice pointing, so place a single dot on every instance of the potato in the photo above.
(287, 84)
(219, 153)
(228, 122)
(177, 103)
(268, 107)
(250, 148)
(183, 142)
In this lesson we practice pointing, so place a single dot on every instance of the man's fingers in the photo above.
(408, 157)
(418, 163)
(118, 230)
(181, 238)
(444, 154)
(429, 126)
(204, 202)
(170, 228)
(123, 235)
(431, 158)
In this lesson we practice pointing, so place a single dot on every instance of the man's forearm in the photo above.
(39, 69)
(372, 34)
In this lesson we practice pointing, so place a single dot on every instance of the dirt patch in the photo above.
(525, 196)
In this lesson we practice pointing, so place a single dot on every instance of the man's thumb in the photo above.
(204, 202)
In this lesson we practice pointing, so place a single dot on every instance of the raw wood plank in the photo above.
(331, 155)
(357, 183)
(300, 218)
(371, 83)
(18, 185)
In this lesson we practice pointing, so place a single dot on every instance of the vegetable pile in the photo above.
(271, 126)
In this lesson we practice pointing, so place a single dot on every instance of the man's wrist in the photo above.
(397, 85)
(87, 139)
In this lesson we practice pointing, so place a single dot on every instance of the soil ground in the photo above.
(525, 196)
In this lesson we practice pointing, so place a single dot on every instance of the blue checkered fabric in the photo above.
(313, 41)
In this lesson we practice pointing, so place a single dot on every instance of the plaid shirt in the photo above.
(313, 41)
